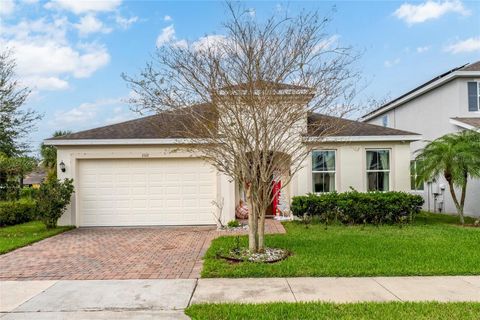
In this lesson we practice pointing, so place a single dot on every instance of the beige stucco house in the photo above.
(139, 173)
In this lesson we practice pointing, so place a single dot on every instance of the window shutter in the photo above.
(472, 96)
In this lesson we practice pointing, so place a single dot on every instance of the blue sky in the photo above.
(71, 53)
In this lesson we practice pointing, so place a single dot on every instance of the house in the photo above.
(35, 178)
(141, 172)
(447, 103)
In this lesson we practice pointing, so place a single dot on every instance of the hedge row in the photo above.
(359, 208)
(15, 212)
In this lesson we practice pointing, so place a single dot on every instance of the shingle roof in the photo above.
(475, 122)
(475, 66)
(167, 125)
(261, 84)
(319, 124)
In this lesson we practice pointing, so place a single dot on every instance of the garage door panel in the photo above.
(145, 192)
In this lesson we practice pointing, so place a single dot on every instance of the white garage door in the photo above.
(134, 192)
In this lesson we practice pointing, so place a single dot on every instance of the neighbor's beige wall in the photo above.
(351, 166)
(71, 155)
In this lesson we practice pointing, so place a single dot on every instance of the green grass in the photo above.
(433, 245)
(357, 311)
(20, 235)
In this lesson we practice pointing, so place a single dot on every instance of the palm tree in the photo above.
(49, 154)
(456, 156)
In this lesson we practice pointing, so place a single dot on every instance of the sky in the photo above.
(72, 53)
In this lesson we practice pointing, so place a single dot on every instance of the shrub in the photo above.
(28, 193)
(15, 212)
(233, 224)
(359, 208)
(53, 197)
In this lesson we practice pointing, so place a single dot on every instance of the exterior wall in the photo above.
(71, 155)
(351, 166)
(429, 115)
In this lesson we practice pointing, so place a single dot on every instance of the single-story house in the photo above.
(35, 178)
(140, 172)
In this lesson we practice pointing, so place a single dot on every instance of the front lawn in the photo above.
(20, 235)
(318, 310)
(434, 245)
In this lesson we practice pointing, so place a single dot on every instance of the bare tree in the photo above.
(244, 98)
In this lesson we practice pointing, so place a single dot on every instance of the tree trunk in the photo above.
(252, 221)
(261, 232)
(454, 197)
(462, 198)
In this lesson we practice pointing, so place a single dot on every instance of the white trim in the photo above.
(389, 171)
(419, 92)
(362, 138)
(75, 142)
(464, 125)
(328, 171)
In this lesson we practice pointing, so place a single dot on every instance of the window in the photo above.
(323, 170)
(413, 176)
(385, 121)
(473, 96)
(378, 170)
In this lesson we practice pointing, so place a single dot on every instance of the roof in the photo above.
(35, 177)
(475, 66)
(471, 67)
(319, 125)
(468, 123)
(261, 84)
(166, 126)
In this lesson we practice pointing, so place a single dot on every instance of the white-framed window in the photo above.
(473, 95)
(414, 185)
(323, 170)
(385, 120)
(378, 169)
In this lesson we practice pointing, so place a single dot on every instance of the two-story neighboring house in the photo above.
(448, 103)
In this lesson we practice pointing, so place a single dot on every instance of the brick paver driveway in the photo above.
(115, 253)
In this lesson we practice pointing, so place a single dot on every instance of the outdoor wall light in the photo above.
(62, 166)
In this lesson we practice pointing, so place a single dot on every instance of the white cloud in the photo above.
(411, 13)
(79, 7)
(181, 44)
(209, 42)
(326, 44)
(30, 1)
(45, 58)
(7, 7)
(423, 49)
(391, 63)
(89, 114)
(167, 36)
(251, 12)
(38, 83)
(83, 114)
(464, 46)
(167, 18)
(90, 24)
(125, 23)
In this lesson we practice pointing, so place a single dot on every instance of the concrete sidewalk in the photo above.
(166, 299)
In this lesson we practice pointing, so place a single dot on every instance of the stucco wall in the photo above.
(351, 169)
(429, 115)
(351, 166)
(71, 155)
